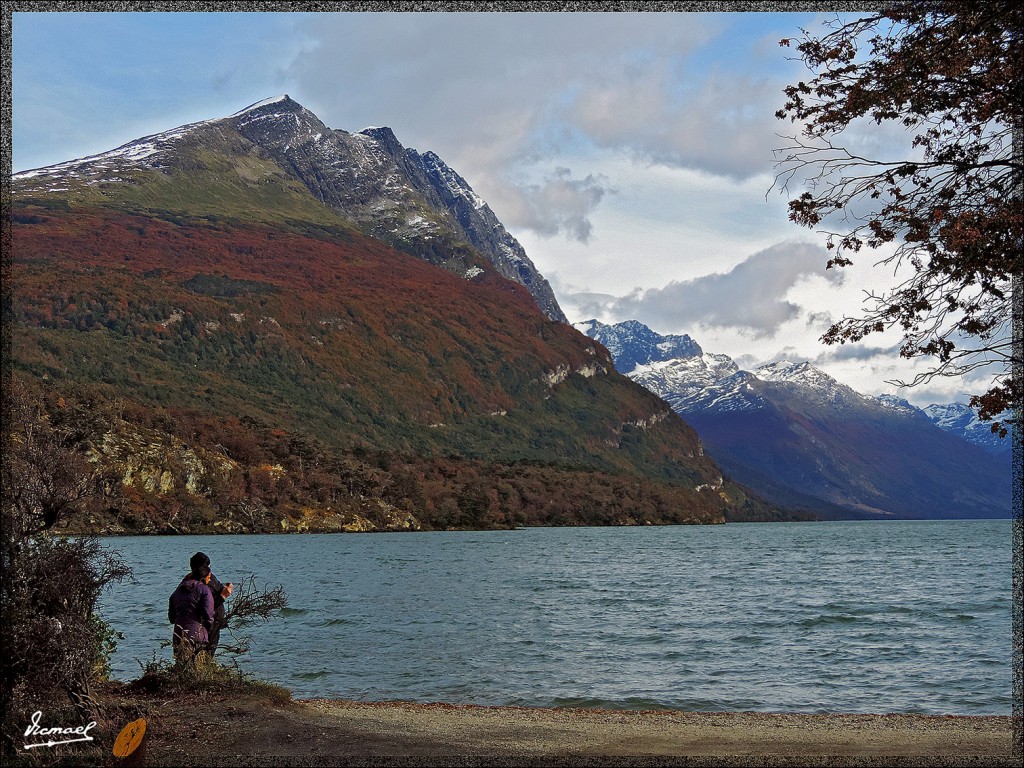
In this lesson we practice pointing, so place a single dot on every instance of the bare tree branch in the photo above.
(949, 212)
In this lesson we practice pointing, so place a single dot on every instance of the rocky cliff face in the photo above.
(412, 200)
(189, 484)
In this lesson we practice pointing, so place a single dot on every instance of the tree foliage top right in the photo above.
(947, 216)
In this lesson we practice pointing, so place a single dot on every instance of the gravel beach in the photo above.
(325, 732)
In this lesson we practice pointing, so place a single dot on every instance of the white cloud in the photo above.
(751, 297)
(491, 93)
(557, 204)
(722, 123)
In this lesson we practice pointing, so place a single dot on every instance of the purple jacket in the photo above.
(190, 609)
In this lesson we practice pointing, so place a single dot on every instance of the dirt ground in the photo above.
(215, 730)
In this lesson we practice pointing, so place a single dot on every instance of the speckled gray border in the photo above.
(633, 5)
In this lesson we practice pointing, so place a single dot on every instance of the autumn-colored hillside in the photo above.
(451, 399)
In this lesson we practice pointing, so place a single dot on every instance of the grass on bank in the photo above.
(201, 673)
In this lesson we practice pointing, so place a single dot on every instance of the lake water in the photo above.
(803, 617)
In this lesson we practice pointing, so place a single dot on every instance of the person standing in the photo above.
(190, 610)
(221, 592)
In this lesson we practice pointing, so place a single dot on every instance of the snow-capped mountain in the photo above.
(699, 383)
(677, 369)
(632, 343)
(899, 405)
(961, 420)
(804, 439)
(410, 200)
(813, 381)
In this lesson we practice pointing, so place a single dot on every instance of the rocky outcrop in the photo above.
(152, 463)
(157, 463)
(324, 520)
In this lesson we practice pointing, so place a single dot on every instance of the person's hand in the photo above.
(228, 589)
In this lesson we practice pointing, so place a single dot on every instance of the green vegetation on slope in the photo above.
(355, 346)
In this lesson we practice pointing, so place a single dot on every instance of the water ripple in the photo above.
(893, 617)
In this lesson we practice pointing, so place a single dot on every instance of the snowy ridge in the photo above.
(951, 416)
(898, 405)
(804, 374)
(676, 369)
(815, 383)
(143, 153)
(140, 154)
(259, 104)
(104, 166)
(704, 382)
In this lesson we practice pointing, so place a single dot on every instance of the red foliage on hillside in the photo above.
(345, 340)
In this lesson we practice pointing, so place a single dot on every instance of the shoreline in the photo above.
(218, 532)
(251, 731)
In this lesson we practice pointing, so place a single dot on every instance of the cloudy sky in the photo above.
(631, 154)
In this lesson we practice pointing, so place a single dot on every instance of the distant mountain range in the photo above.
(958, 419)
(807, 441)
(266, 324)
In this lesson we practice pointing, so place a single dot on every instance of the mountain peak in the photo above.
(783, 368)
(413, 202)
(279, 121)
(897, 404)
(633, 344)
(386, 137)
(813, 381)
(284, 100)
(795, 372)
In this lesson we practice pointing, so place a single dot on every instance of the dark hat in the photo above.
(200, 572)
(197, 561)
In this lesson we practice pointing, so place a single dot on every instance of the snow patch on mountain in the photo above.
(813, 383)
(960, 419)
(691, 380)
(951, 416)
(261, 104)
(898, 405)
(104, 167)
(449, 179)
(802, 373)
